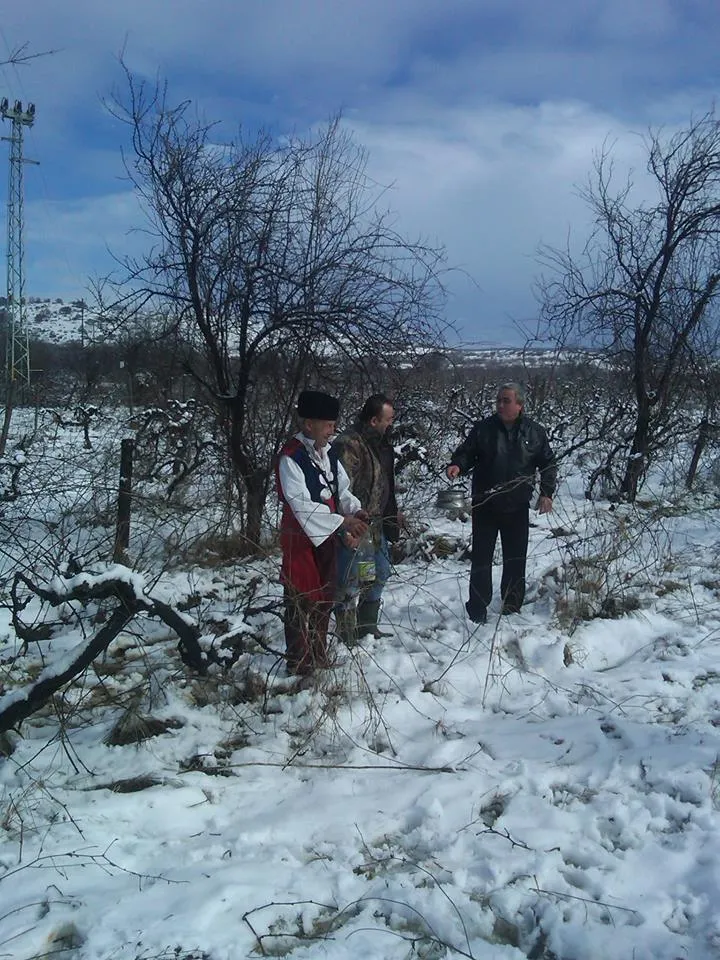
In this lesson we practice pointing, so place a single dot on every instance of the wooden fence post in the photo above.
(122, 530)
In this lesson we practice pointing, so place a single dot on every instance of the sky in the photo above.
(481, 116)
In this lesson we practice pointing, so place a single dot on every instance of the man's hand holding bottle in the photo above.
(354, 528)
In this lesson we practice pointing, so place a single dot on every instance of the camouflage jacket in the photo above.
(369, 461)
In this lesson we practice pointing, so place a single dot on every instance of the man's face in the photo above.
(508, 408)
(383, 423)
(319, 431)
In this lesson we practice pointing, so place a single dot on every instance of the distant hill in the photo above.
(54, 320)
(522, 357)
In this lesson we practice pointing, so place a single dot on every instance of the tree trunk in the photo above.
(637, 459)
(7, 417)
(256, 488)
(122, 527)
(700, 444)
(251, 479)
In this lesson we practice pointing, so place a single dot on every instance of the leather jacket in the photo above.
(504, 461)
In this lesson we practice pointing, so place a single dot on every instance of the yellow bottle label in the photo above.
(366, 571)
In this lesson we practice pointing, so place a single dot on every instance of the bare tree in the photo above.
(278, 265)
(646, 284)
(22, 54)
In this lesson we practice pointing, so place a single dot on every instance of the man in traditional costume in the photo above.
(319, 512)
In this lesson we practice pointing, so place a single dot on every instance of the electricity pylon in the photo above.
(17, 366)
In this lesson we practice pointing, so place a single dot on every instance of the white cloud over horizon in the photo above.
(494, 184)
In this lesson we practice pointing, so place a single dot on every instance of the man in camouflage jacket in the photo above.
(369, 461)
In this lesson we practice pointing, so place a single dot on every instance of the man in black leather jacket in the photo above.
(504, 452)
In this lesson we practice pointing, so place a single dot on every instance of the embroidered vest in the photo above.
(315, 478)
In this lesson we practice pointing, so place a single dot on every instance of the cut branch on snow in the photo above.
(116, 583)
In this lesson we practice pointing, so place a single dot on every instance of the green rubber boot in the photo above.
(368, 612)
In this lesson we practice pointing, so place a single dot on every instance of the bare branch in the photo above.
(646, 286)
(278, 261)
(21, 55)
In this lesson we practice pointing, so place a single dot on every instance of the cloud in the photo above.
(494, 183)
(484, 115)
(344, 51)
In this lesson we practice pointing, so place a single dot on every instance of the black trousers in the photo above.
(514, 529)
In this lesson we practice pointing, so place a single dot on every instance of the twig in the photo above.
(281, 903)
(347, 766)
(596, 903)
(506, 836)
(18, 55)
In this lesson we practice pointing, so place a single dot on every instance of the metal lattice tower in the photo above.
(17, 367)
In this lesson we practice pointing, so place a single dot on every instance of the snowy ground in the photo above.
(542, 786)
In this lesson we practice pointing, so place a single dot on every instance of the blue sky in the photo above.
(482, 115)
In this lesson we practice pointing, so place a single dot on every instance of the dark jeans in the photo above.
(513, 529)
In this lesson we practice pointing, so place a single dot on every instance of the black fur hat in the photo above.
(314, 405)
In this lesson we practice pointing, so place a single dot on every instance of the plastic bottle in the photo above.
(366, 560)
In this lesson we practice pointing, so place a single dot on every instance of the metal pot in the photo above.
(452, 498)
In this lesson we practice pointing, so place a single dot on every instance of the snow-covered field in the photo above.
(545, 786)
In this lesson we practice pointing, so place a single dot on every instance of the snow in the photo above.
(114, 572)
(55, 321)
(546, 785)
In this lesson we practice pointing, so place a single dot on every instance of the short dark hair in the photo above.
(373, 407)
